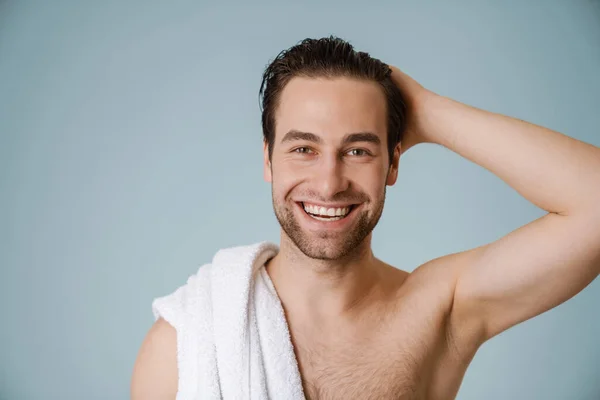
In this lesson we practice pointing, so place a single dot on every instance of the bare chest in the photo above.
(367, 372)
(403, 360)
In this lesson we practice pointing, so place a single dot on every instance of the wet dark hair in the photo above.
(329, 57)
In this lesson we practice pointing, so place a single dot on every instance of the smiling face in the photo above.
(329, 166)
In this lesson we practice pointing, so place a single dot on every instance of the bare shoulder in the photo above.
(467, 332)
(155, 373)
(433, 284)
(435, 278)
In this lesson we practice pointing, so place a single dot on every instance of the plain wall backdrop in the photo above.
(131, 150)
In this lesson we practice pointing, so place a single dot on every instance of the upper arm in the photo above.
(531, 270)
(155, 373)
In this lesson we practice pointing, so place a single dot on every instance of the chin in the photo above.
(328, 246)
(324, 241)
(326, 249)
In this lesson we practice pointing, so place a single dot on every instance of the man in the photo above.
(336, 123)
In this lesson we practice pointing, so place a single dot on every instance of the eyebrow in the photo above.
(294, 135)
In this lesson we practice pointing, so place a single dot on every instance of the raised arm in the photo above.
(543, 263)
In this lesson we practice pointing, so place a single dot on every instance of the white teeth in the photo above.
(326, 219)
(329, 212)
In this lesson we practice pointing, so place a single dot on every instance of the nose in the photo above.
(330, 177)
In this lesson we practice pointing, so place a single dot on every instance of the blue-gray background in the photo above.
(130, 151)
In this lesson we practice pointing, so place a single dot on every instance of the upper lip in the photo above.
(332, 205)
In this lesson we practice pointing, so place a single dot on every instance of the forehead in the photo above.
(331, 108)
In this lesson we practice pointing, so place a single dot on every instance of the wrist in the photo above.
(421, 108)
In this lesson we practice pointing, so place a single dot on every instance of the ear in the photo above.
(393, 172)
(267, 175)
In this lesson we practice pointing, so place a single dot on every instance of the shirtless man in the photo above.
(362, 329)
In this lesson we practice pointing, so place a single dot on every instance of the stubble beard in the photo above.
(327, 245)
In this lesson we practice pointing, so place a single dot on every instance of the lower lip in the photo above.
(339, 224)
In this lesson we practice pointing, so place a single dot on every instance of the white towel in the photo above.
(233, 340)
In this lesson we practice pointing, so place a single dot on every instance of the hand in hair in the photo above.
(416, 96)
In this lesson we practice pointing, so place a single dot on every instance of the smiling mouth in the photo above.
(327, 214)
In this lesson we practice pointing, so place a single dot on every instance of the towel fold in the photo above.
(233, 340)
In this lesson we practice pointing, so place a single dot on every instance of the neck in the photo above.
(325, 290)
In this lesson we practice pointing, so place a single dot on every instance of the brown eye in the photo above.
(358, 152)
(302, 150)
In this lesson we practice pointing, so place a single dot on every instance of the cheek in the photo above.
(285, 171)
(374, 189)
(284, 180)
(376, 185)
(370, 175)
